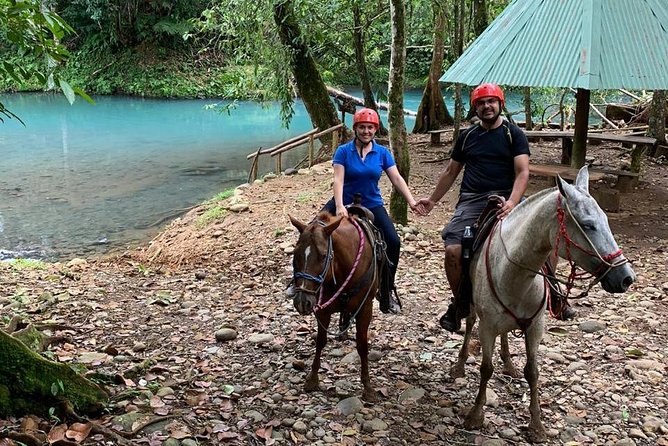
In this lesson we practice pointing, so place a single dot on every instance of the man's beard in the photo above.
(490, 121)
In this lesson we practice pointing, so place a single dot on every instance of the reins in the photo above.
(608, 262)
(360, 249)
(522, 323)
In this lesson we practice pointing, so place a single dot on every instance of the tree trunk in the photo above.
(527, 109)
(657, 119)
(398, 136)
(432, 112)
(312, 89)
(480, 17)
(459, 49)
(581, 128)
(360, 59)
(31, 384)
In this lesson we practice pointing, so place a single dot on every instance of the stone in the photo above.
(591, 326)
(350, 406)
(225, 334)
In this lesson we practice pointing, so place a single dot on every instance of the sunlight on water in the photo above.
(83, 178)
(78, 178)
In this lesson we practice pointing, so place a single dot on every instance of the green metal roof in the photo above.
(589, 44)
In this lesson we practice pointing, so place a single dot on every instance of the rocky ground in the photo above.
(203, 347)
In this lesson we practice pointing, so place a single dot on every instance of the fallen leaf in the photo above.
(57, 433)
(634, 353)
(79, 431)
(558, 331)
(228, 436)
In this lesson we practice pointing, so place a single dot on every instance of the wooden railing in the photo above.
(277, 151)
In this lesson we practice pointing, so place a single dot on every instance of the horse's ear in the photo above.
(331, 227)
(582, 180)
(297, 224)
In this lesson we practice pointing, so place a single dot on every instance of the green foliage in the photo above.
(224, 195)
(214, 213)
(23, 264)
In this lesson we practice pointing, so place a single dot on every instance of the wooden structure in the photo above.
(277, 151)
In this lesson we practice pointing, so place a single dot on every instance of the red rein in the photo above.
(360, 249)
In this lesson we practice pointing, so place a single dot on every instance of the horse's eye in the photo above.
(588, 227)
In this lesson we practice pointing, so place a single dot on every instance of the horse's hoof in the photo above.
(474, 420)
(512, 372)
(537, 434)
(457, 371)
(370, 396)
(311, 385)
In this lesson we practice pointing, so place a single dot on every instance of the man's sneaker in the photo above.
(449, 320)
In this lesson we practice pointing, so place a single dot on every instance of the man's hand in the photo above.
(425, 205)
(504, 208)
(417, 208)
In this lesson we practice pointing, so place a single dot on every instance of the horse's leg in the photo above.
(532, 340)
(508, 366)
(312, 383)
(362, 337)
(457, 370)
(476, 416)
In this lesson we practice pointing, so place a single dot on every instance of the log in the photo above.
(31, 384)
(342, 96)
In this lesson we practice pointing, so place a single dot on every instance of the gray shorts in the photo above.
(468, 209)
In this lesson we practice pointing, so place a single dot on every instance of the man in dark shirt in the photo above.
(495, 157)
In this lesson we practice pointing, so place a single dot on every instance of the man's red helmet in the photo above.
(484, 90)
(367, 116)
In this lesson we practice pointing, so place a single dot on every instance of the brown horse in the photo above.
(335, 271)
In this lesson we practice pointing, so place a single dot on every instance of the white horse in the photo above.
(509, 293)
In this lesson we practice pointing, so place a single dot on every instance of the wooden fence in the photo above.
(277, 151)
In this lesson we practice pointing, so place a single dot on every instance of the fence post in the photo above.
(335, 141)
(310, 151)
(278, 164)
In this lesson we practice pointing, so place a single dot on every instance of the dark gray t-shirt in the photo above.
(488, 156)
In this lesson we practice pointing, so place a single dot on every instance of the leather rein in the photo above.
(608, 262)
(320, 278)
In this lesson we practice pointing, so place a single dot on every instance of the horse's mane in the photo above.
(520, 209)
(323, 216)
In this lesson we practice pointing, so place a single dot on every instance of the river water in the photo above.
(81, 179)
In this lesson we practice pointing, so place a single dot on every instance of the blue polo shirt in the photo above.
(363, 176)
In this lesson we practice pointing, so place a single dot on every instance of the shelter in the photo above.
(582, 44)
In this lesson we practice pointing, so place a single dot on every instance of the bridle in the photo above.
(607, 262)
(319, 279)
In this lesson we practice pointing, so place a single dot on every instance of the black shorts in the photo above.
(468, 209)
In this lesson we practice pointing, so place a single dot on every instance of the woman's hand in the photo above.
(418, 208)
(341, 211)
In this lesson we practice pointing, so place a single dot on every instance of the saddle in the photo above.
(383, 265)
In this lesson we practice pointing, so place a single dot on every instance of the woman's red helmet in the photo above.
(484, 90)
(367, 116)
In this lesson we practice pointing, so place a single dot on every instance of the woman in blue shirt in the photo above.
(358, 166)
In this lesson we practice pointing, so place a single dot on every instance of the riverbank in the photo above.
(150, 318)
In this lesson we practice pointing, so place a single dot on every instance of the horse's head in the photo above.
(312, 259)
(586, 238)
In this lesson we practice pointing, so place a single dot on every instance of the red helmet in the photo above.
(484, 90)
(366, 115)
